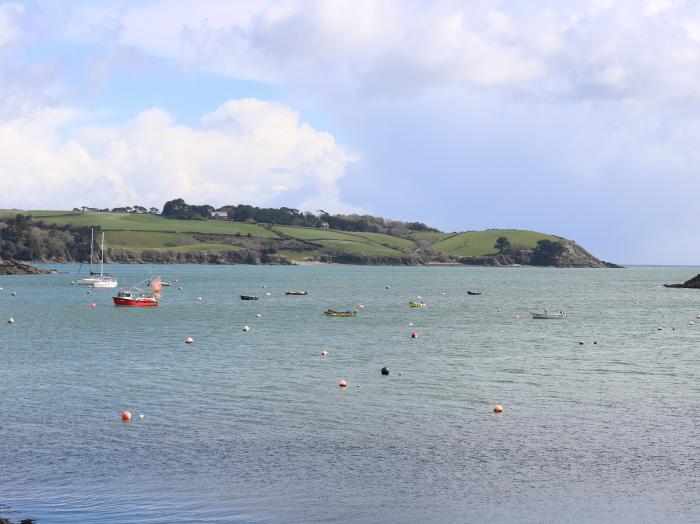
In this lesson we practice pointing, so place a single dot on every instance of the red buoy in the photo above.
(342, 383)
(414, 335)
(189, 340)
(497, 409)
(126, 416)
(93, 305)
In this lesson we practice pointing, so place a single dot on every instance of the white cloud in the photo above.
(246, 151)
(565, 50)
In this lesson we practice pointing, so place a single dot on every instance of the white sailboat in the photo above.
(104, 281)
(89, 281)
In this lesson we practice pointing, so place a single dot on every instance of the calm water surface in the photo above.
(251, 427)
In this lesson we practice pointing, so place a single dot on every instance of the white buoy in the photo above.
(14, 293)
(200, 299)
(410, 324)
(324, 353)
(189, 340)
(268, 294)
(72, 283)
(246, 328)
(692, 322)
(141, 416)
(258, 315)
(10, 320)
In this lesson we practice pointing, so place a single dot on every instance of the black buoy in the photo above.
(385, 371)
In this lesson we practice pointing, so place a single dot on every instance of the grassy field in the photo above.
(371, 243)
(134, 222)
(428, 235)
(358, 247)
(480, 243)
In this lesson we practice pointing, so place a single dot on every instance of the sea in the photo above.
(600, 421)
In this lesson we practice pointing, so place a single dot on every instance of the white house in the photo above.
(219, 215)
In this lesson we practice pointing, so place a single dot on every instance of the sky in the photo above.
(577, 118)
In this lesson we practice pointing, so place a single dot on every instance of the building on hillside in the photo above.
(324, 225)
(219, 215)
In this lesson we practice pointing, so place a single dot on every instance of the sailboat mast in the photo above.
(92, 241)
(102, 258)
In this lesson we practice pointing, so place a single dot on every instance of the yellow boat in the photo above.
(417, 304)
(333, 313)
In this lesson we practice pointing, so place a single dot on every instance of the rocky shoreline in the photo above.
(15, 267)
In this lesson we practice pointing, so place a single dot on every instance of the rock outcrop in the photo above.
(693, 283)
(572, 256)
(14, 267)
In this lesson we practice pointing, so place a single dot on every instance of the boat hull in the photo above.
(130, 302)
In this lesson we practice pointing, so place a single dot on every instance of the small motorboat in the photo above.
(249, 297)
(474, 293)
(416, 304)
(165, 283)
(296, 293)
(547, 315)
(333, 313)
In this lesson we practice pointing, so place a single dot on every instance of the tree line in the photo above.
(24, 239)
(286, 216)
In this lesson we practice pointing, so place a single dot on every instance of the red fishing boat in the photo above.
(138, 297)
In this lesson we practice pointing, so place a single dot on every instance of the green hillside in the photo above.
(138, 232)
(480, 243)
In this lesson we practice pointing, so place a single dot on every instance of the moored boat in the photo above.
(547, 315)
(135, 298)
(475, 293)
(333, 313)
(249, 297)
(138, 297)
(416, 304)
(104, 280)
(295, 293)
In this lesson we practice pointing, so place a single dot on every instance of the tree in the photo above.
(502, 244)
(547, 253)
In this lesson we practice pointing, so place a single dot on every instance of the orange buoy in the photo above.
(126, 416)
(189, 340)
(342, 383)
(324, 353)
(414, 335)
(93, 305)
(498, 408)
